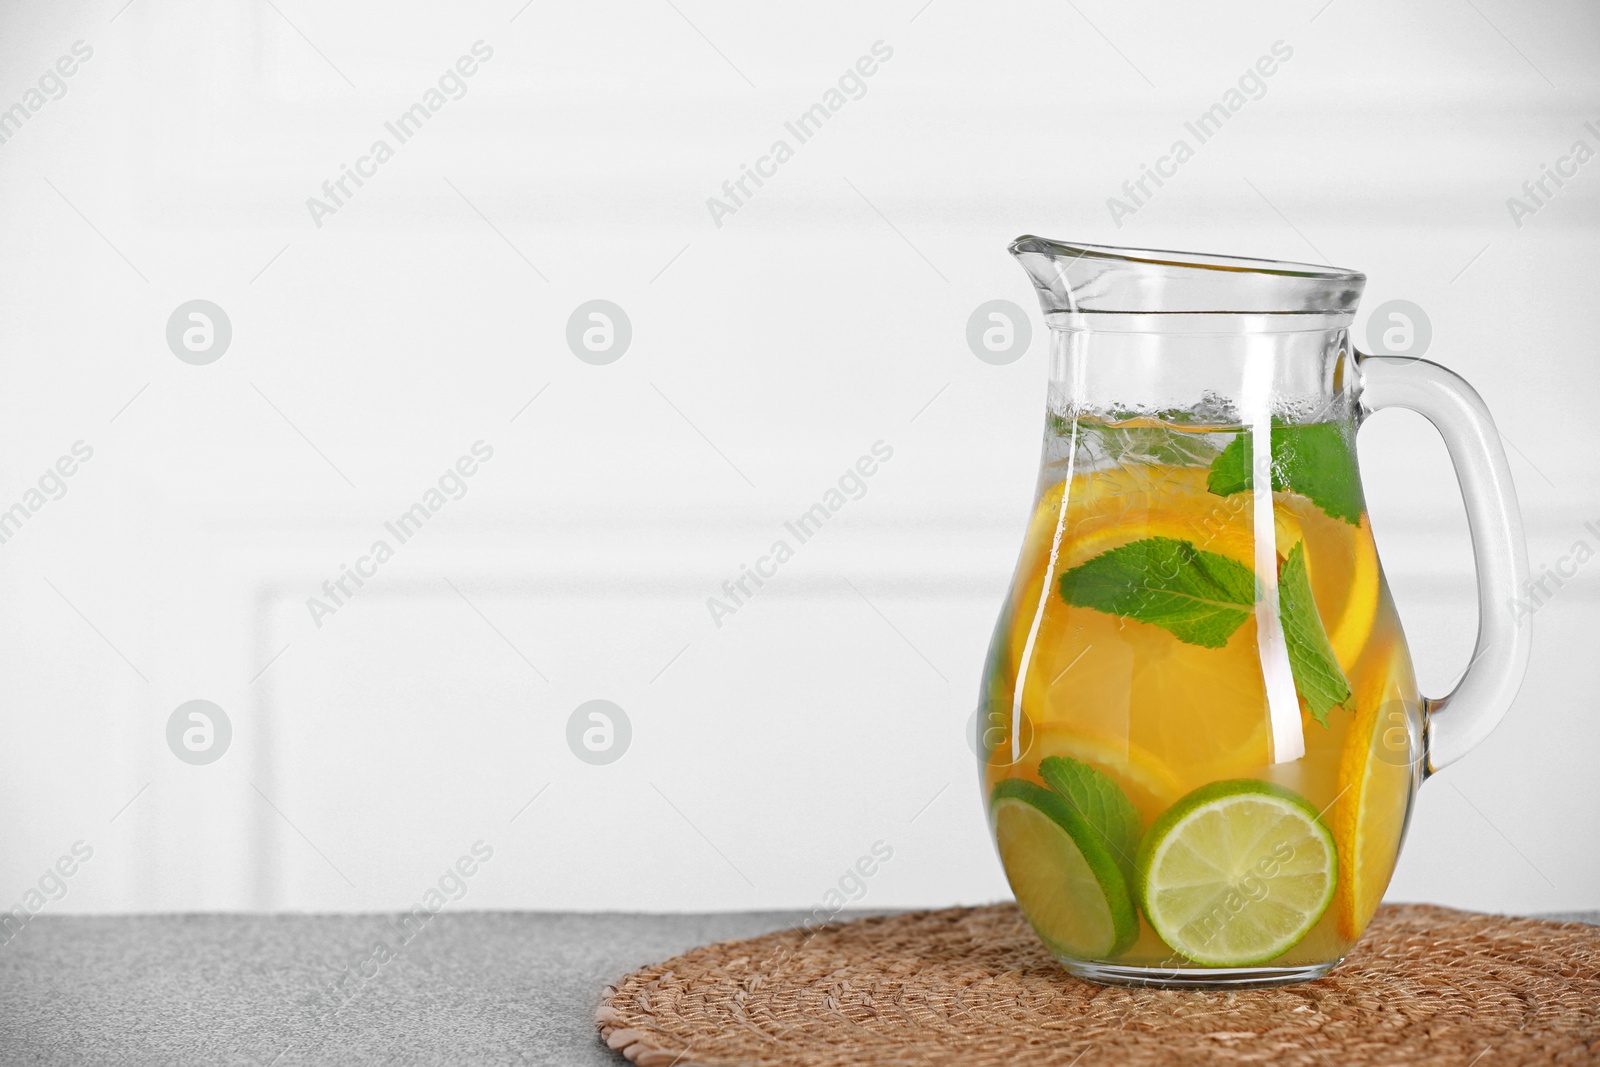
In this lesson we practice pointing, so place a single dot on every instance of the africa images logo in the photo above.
(340, 590)
(1251, 85)
(852, 85)
(52, 86)
(402, 129)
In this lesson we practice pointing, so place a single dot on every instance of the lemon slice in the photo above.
(1348, 635)
(1200, 707)
(1063, 876)
(1342, 563)
(1377, 775)
(1108, 509)
(1236, 873)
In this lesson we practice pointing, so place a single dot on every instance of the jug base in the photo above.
(1196, 977)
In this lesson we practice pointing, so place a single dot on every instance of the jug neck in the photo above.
(1184, 337)
(1214, 370)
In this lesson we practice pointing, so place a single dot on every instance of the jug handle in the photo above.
(1457, 722)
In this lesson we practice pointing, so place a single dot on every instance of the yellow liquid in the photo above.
(1162, 717)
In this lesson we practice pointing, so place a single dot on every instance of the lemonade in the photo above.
(1200, 730)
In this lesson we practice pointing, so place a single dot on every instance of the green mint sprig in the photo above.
(1316, 460)
(1198, 596)
(1318, 678)
(1101, 802)
(1202, 597)
(1158, 445)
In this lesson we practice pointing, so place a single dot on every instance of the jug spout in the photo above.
(1074, 278)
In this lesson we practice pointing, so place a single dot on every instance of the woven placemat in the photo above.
(1426, 985)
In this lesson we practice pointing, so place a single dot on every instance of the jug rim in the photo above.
(1075, 277)
(1171, 258)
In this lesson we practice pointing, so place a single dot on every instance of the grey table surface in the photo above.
(287, 990)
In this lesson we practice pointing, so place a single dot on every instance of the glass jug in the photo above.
(1200, 734)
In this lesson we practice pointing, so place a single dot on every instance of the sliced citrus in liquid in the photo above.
(1198, 712)
(1342, 563)
(1199, 709)
(1377, 775)
(1066, 881)
(1236, 873)
(1143, 778)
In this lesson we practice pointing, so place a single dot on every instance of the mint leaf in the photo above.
(1230, 471)
(1197, 596)
(1101, 802)
(1316, 460)
(1317, 675)
(1158, 445)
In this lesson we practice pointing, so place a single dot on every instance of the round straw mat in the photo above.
(973, 986)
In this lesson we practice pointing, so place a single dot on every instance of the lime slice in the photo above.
(1236, 873)
(1061, 873)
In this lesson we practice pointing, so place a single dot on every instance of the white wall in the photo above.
(768, 354)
